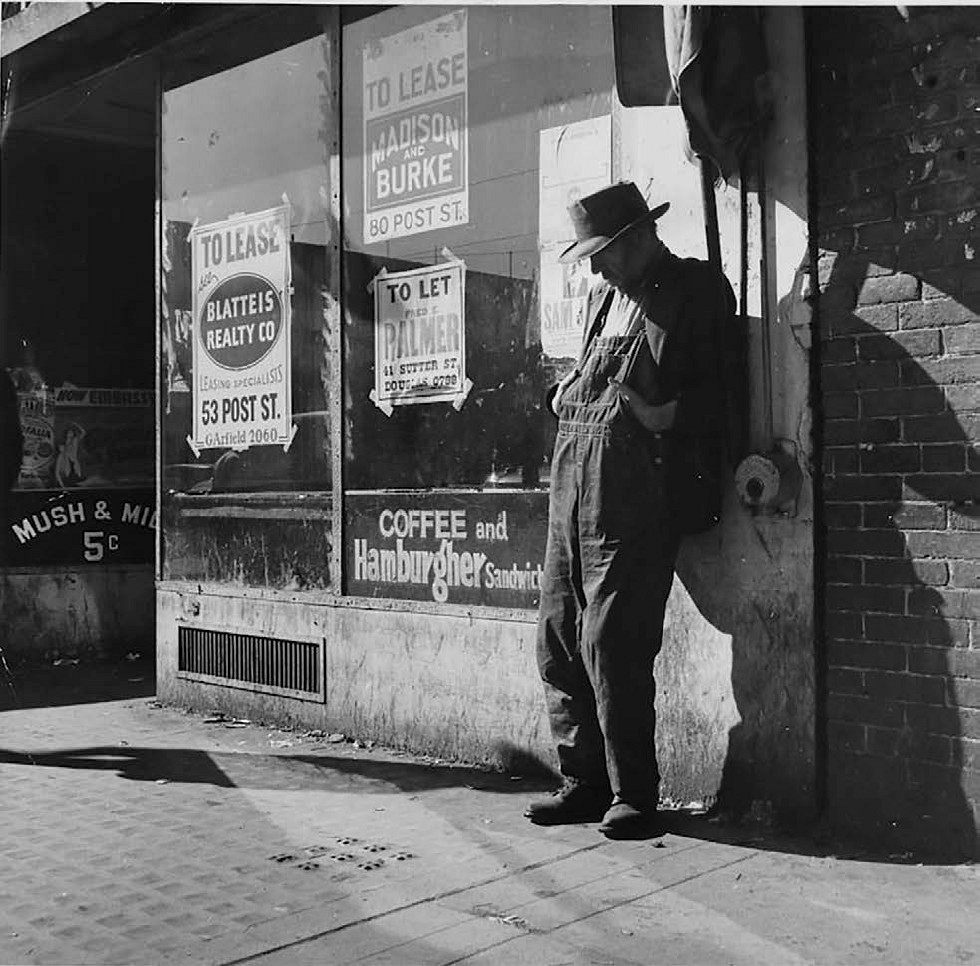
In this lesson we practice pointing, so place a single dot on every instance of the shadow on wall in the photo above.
(743, 610)
(898, 637)
(900, 499)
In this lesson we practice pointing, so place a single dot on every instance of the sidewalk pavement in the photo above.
(135, 834)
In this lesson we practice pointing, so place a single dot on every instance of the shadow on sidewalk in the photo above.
(358, 775)
(186, 765)
(65, 684)
(275, 772)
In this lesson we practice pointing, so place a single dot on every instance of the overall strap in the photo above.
(596, 325)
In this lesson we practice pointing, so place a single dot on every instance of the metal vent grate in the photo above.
(268, 664)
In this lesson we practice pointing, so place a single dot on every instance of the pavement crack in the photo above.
(615, 905)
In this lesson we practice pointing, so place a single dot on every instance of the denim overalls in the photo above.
(608, 569)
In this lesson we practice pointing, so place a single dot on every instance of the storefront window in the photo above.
(246, 258)
(77, 326)
(467, 132)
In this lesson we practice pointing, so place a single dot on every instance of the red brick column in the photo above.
(895, 131)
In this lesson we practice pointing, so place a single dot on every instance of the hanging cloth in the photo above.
(717, 63)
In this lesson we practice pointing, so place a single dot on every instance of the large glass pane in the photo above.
(457, 105)
(245, 391)
(466, 132)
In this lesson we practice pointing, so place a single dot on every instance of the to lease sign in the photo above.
(415, 130)
(241, 387)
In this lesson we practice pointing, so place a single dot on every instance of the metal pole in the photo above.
(710, 212)
(764, 299)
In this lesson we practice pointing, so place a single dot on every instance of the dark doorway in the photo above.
(77, 333)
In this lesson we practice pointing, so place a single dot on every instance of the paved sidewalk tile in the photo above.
(133, 834)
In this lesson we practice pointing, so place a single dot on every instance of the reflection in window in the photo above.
(246, 257)
(237, 145)
(454, 150)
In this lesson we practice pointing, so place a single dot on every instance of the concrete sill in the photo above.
(294, 506)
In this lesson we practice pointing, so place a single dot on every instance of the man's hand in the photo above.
(656, 419)
(559, 392)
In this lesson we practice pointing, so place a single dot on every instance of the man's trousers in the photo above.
(608, 570)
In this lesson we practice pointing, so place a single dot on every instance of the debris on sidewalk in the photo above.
(229, 721)
(510, 921)
(432, 760)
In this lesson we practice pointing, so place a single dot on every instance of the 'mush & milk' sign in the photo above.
(415, 130)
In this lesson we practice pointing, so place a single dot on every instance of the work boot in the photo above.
(574, 802)
(626, 821)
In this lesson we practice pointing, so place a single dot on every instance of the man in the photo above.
(645, 396)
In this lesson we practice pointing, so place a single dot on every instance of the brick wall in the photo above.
(895, 124)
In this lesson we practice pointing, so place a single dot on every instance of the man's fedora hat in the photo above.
(600, 218)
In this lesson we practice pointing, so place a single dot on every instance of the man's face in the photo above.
(623, 263)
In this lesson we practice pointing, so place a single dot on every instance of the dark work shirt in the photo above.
(685, 305)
